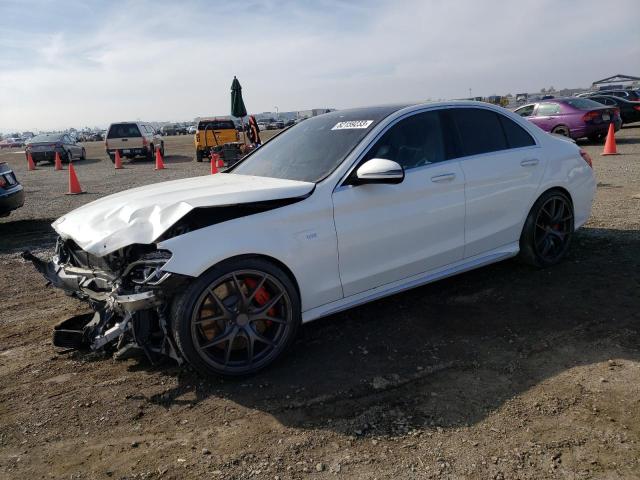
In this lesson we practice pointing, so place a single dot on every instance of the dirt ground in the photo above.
(502, 373)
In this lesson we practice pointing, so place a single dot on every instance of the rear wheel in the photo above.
(150, 153)
(596, 138)
(198, 155)
(561, 130)
(547, 232)
(237, 318)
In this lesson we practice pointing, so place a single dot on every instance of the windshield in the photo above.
(583, 103)
(48, 137)
(310, 150)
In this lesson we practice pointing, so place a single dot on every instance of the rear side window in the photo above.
(480, 130)
(546, 109)
(516, 135)
(123, 130)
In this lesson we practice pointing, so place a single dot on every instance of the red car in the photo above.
(572, 117)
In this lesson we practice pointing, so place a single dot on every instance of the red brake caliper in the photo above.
(261, 297)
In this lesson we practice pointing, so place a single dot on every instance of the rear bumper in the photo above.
(129, 152)
(47, 155)
(599, 129)
(11, 199)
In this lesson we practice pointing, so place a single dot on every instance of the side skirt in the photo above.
(493, 256)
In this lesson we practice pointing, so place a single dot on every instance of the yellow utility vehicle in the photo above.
(212, 135)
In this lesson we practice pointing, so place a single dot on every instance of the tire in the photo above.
(83, 155)
(68, 157)
(198, 155)
(561, 130)
(547, 232)
(150, 152)
(254, 342)
(162, 149)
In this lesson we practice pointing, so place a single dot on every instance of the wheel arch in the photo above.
(278, 263)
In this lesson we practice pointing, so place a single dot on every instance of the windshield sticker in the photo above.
(352, 124)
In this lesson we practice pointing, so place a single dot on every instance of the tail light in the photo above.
(636, 107)
(590, 116)
(3, 182)
(585, 156)
(106, 143)
(144, 142)
(197, 137)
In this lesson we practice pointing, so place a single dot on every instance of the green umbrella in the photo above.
(237, 104)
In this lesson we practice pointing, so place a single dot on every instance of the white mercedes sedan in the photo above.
(341, 209)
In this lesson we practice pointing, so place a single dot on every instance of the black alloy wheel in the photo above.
(548, 230)
(237, 319)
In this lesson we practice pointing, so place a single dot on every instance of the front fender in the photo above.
(302, 236)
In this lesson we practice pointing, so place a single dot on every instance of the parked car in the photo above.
(572, 117)
(11, 192)
(631, 95)
(133, 139)
(342, 209)
(12, 142)
(629, 111)
(212, 135)
(43, 148)
(192, 129)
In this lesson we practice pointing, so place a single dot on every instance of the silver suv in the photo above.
(133, 139)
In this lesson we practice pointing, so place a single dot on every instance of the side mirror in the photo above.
(379, 170)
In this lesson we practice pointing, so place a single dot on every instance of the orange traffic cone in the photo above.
(118, 160)
(32, 166)
(74, 184)
(57, 162)
(214, 167)
(610, 144)
(159, 162)
(219, 162)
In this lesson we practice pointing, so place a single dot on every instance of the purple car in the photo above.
(572, 117)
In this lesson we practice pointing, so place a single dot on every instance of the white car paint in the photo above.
(141, 215)
(347, 245)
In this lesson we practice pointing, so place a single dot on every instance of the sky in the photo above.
(72, 63)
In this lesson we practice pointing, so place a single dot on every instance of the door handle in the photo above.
(445, 177)
(529, 162)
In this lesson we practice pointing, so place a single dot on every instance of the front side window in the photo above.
(546, 109)
(480, 130)
(413, 142)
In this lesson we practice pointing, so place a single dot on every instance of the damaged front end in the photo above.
(128, 291)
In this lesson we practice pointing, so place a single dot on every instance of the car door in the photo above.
(547, 116)
(387, 233)
(503, 167)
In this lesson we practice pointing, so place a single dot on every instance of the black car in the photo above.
(43, 148)
(629, 111)
(11, 192)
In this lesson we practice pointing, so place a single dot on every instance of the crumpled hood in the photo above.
(141, 215)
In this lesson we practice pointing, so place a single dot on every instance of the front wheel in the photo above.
(547, 232)
(237, 318)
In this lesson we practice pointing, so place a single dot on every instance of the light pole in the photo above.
(277, 114)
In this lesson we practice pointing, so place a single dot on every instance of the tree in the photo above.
(551, 89)
(543, 90)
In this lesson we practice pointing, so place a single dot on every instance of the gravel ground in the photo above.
(504, 372)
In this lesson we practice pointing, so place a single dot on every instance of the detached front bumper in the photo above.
(122, 317)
